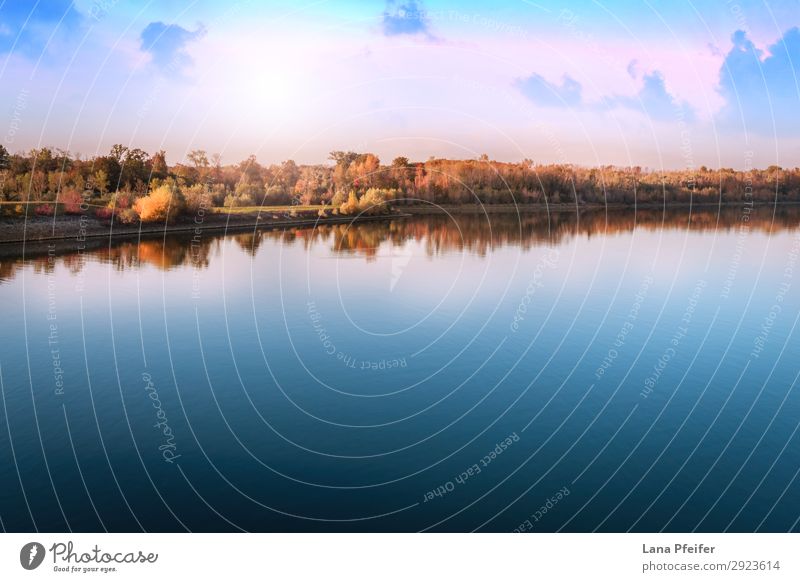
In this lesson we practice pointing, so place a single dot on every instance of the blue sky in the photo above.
(657, 84)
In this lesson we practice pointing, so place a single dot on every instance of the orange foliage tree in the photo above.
(163, 204)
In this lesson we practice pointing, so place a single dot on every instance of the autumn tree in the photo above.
(216, 168)
(163, 204)
(251, 171)
(199, 159)
(363, 171)
(341, 181)
(373, 201)
(351, 206)
(288, 175)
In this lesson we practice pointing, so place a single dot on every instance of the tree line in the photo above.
(131, 184)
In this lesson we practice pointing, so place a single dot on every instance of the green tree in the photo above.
(5, 158)
(118, 152)
(111, 167)
(135, 168)
(158, 165)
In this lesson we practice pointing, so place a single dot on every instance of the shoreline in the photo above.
(71, 239)
(83, 230)
(523, 208)
(118, 232)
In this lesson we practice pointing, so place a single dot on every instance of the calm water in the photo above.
(550, 372)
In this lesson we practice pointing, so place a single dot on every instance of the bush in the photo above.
(72, 201)
(277, 195)
(197, 197)
(238, 201)
(217, 192)
(127, 216)
(120, 200)
(351, 206)
(163, 204)
(338, 199)
(104, 213)
(247, 194)
(373, 201)
(45, 210)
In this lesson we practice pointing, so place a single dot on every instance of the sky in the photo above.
(658, 84)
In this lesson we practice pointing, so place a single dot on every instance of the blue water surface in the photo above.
(601, 371)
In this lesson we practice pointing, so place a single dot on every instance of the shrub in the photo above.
(277, 195)
(238, 201)
(127, 216)
(217, 192)
(247, 194)
(197, 197)
(104, 213)
(72, 201)
(120, 200)
(351, 206)
(373, 201)
(338, 199)
(163, 204)
(45, 210)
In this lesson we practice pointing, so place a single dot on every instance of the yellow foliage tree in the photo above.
(162, 204)
(351, 206)
(373, 201)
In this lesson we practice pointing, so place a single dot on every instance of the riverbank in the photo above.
(32, 230)
(17, 233)
(524, 208)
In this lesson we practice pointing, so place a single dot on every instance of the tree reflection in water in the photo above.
(477, 233)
